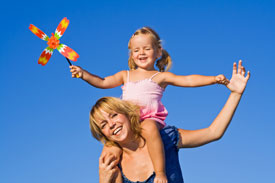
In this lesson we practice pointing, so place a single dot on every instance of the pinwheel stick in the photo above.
(68, 61)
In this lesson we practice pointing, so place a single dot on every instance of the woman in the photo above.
(116, 122)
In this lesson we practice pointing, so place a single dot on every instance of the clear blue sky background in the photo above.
(44, 127)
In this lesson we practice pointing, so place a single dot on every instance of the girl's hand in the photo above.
(160, 178)
(221, 79)
(108, 171)
(238, 81)
(77, 72)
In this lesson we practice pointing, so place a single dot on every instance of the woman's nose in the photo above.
(112, 124)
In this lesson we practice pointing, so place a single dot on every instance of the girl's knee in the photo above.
(149, 127)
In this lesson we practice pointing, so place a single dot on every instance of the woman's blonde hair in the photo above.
(164, 63)
(111, 104)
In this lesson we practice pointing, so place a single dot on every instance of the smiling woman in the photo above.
(108, 118)
(116, 121)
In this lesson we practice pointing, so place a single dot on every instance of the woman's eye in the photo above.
(103, 125)
(114, 115)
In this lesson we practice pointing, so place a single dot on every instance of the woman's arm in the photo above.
(192, 80)
(96, 81)
(194, 138)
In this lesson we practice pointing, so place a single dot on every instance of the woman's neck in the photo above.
(132, 145)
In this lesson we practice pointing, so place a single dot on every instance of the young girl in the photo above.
(144, 85)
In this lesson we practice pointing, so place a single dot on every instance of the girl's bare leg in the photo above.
(150, 131)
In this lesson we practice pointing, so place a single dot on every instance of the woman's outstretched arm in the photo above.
(195, 138)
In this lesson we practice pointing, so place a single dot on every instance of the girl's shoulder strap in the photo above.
(128, 76)
(154, 75)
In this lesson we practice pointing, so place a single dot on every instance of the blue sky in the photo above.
(44, 127)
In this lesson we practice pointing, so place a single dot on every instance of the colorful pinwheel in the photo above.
(53, 43)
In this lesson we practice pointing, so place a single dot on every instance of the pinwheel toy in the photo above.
(53, 43)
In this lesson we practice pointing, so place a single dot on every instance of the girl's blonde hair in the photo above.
(109, 105)
(164, 63)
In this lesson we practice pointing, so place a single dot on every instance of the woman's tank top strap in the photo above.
(154, 75)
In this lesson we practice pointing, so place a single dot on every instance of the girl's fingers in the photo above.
(226, 82)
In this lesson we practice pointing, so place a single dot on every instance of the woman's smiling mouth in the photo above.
(116, 131)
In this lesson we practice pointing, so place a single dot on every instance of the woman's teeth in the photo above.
(117, 130)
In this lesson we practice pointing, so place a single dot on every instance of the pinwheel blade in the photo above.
(67, 52)
(61, 28)
(45, 56)
(38, 32)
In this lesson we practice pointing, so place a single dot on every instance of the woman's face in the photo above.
(115, 126)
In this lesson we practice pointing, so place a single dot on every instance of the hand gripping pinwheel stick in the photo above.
(54, 43)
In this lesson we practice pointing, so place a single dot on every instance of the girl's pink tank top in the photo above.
(147, 94)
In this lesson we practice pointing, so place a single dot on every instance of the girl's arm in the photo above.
(194, 138)
(96, 81)
(192, 80)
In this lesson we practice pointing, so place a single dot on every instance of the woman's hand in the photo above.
(108, 171)
(195, 138)
(238, 80)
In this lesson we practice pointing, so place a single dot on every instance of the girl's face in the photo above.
(143, 51)
(115, 126)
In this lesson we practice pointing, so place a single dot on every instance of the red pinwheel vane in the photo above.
(54, 43)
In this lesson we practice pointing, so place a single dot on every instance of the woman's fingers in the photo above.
(234, 71)
(247, 76)
(112, 164)
(110, 160)
(107, 161)
(240, 67)
(243, 70)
